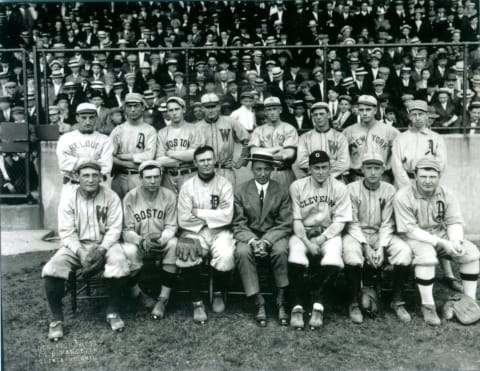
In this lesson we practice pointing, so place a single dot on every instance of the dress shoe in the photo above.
(199, 314)
(55, 330)
(115, 322)
(261, 316)
(218, 305)
(355, 313)
(282, 316)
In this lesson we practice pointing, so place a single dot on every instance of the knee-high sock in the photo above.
(220, 280)
(400, 276)
(353, 274)
(424, 276)
(168, 282)
(323, 279)
(296, 275)
(54, 288)
(469, 276)
(115, 289)
(369, 275)
(192, 278)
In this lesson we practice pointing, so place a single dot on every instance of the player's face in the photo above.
(211, 112)
(205, 163)
(418, 118)
(273, 113)
(427, 180)
(151, 179)
(261, 172)
(367, 113)
(320, 119)
(86, 122)
(176, 112)
(134, 110)
(89, 180)
(320, 172)
(373, 173)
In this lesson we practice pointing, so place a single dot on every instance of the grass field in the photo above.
(228, 341)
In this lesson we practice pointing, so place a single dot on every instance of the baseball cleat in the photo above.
(158, 311)
(261, 316)
(355, 313)
(282, 316)
(296, 318)
(402, 314)
(199, 314)
(55, 331)
(218, 305)
(115, 321)
(316, 319)
(430, 315)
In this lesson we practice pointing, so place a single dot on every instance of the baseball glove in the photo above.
(150, 244)
(369, 300)
(94, 262)
(464, 308)
(314, 232)
(189, 252)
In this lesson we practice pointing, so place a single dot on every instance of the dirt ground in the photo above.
(228, 341)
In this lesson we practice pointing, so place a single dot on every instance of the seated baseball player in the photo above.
(205, 212)
(262, 224)
(150, 224)
(321, 207)
(89, 226)
(369, 237)
(428, 217)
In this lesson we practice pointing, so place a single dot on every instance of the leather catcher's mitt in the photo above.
(94, 262)
(189, 252)
(464, 308)
(369, 300)
(151, 244)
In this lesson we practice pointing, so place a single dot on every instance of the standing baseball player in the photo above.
(205, 212)
(369, 135)
(221, 133)
(89, 225)
(369, 237)
(262, 226)
(84, 144)
(429, 218)
(321, 207)
(175, 146)
(278, 139)
(323, 138)
(410, 146)
(133, 142)
(150, 224)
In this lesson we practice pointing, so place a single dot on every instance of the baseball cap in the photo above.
(372, 158)
(318, 157)
(246, 94)
(209, 99)
(368, 100)
(149, 163)
(88, 164)
(86, 108)
(418, 105)
(53, 110)
(177, 100)
(428, 163)
(272, 101)
(319, 105)
(134, 98)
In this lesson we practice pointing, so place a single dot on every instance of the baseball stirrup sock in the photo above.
(54, 288)
(469, 276)
(115, 288)
(400, 277)
(192, 278)
(296, 275)
(323, 281)
(168, 279)
(370, 275)
(423, 282)
(353, 274)
(220, 280)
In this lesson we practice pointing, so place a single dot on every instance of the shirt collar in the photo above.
(262, 186)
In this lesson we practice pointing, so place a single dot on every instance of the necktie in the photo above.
(262, 194)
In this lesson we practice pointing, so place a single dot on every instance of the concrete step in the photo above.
(20, 217)
(22, 241)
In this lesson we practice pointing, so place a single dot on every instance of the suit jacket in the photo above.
(272, 222)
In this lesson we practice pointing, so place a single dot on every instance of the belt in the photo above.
(221, 166)
(129, 172)
(179, 171)
(70, 180)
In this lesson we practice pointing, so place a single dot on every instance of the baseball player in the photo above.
(89, 225)
(175, 146)
(205, 212)
(323, 138)
(221, 133)
(133, 142)
(278, 139)
(83, 144)
(429, 218)
(150, 224)
(410, 146)
(262, 225)
(369, 237)
(369, 135)
(321, 207)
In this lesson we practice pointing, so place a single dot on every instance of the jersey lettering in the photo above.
(430, 148)
(178, 142)
(380, 141)
(141, 141)
(225, 133)
(440, 212)
(148, 214)
(316, 199)
(214, 201)
(333, 146)
(102, 212)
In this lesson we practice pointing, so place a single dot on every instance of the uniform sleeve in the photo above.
(171, 225)
(399, 173)
(106, 157)
(354, 228)
(129, 233)
(291, 137)
(186, 219)
(150, 147)
(67, 229)
(387, 225)
(197, 138)
(115, 137)
(255, 140)
(295, 198)
(441, 153)
(241, 230)
(302, 151)
(343, 159)
(113, 227)
(283, 222)
(216, 218)
(341, 211)
(241, 134)
(66, 161)
(161, 149)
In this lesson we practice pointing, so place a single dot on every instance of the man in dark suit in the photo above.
(262, 225)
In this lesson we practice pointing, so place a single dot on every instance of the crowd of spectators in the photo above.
(243, 78)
